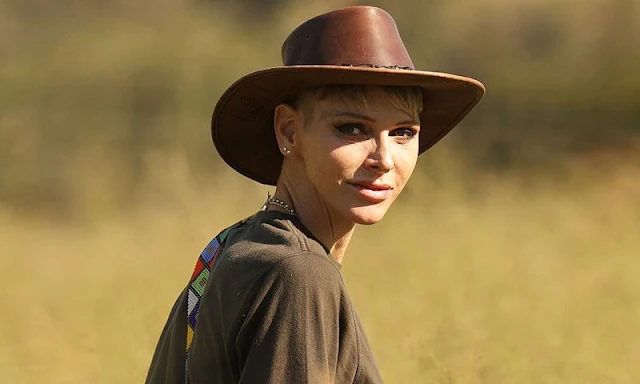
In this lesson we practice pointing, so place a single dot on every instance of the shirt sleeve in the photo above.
(290, 332)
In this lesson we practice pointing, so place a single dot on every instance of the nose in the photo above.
(380, 158)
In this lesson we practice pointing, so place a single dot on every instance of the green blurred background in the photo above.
(511, 258)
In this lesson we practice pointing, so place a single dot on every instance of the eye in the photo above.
(351, 129)
(405, 133)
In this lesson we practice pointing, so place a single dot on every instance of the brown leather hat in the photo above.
(354, 45)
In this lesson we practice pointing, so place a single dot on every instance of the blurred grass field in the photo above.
(518, 280)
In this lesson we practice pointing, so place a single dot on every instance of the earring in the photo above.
(286, 150)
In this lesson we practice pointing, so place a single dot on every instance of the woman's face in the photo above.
(358, 161)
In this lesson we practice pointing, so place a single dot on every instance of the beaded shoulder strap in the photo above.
(198, 282)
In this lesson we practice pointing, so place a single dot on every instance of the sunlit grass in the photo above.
(520, 282)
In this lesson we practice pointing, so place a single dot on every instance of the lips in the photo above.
(375, 192)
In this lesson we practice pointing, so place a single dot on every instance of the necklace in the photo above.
(279, 203)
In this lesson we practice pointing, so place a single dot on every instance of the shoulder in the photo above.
(305, 270)
(271, 249)
(268, 240)
(294, 288)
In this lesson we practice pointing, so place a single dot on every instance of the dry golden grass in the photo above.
(516, 281)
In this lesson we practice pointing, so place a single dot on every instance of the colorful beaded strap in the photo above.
(198, 282)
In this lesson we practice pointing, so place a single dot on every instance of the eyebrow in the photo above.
(363, 117)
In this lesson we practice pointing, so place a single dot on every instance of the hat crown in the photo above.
(352, 36)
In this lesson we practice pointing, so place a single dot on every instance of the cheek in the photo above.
(327, 165)
(346, 159)
(331, 168)
(406, 163)
(350, 161)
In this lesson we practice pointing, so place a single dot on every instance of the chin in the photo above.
(368, 215)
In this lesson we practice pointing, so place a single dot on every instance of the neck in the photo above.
(332, 231)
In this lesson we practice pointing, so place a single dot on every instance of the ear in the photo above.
(286, 123)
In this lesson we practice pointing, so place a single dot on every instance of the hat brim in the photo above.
(242, 123)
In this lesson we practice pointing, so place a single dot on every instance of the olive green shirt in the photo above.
(275, 310)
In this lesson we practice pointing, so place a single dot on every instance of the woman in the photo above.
(338, 130)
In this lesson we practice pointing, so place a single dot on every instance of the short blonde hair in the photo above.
(405, 99)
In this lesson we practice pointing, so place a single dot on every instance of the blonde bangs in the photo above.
(405, 99)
